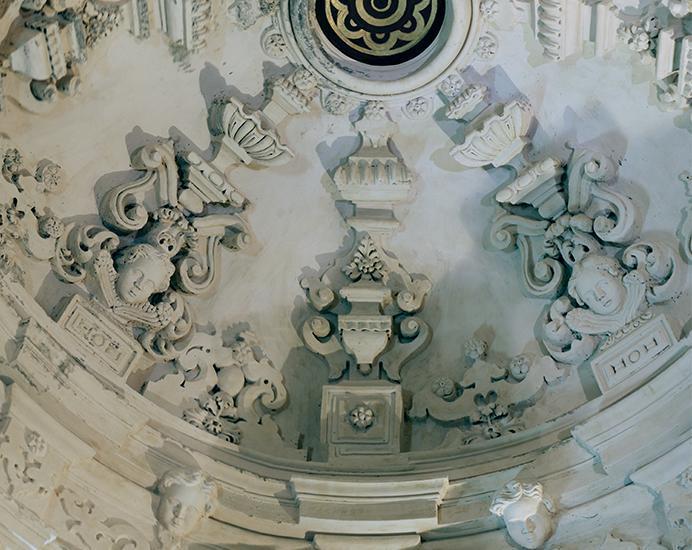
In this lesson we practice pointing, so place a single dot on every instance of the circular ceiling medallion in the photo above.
(387, 50)
(381, 32)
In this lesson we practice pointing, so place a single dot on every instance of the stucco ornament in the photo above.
(187, 497)
(659, 34)
(27, 226)
(380, 330)
(564, 241)
(228, 389)
(494, 138)
(168, 251)
(45, 46)
(488, 399)
(526, 511)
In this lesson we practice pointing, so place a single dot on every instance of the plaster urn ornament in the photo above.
(488, 397)
(365, 300)
(187, 497)
(166, 252)
(527, 513)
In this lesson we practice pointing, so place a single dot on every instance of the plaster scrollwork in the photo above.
(186, 497)
(83, 523)
(26, 222)
(229, 391)
(488, 397)
(167, 251)
(528, 513)
(366, 301)
(565, 240)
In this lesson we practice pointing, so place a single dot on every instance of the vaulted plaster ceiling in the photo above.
(334, 274)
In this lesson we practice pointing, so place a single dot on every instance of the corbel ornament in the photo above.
(155, 255)
(488, 398)
(573, 219)
(366, 301)
(26, 222)
(229, 391)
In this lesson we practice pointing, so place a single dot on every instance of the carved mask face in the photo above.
(140, 278)
(181, 508)
(528, 522)
(602, 293)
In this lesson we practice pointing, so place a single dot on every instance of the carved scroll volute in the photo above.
(166, 344)
(265, 388)
(78, 247)
(320, 338)
(197, 271)
(542, 275)
(122, 208)
(661, 264)
(616, 219)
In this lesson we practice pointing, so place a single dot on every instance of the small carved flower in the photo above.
(519, 367)
(444, 388)
(489, 8)
(362, 417)
(451, 86)
(486, 47)
(475, 349)
(336, 104)
(418, 107)
(51, 227)
(635, 37)
(274, 45)
(50, 175)
(36, 445)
